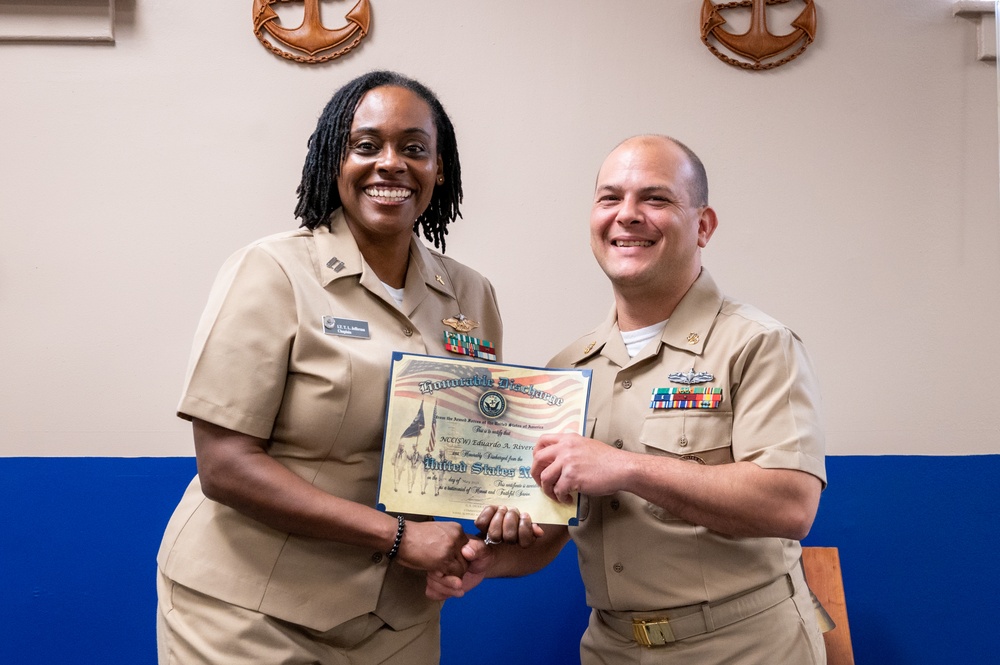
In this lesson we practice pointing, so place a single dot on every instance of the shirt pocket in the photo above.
(696, 436)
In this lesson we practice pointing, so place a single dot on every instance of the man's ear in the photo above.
(707, 224)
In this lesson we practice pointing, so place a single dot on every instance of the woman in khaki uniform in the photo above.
(276, 553)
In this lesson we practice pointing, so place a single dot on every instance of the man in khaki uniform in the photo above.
(707, 457)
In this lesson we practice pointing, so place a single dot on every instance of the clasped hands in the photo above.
(562, 464)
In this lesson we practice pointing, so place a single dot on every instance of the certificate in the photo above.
(459, 435)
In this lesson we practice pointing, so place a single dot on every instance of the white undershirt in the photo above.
(396, 294)
(635, 340)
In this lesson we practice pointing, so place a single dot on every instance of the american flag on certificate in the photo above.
(538, 400)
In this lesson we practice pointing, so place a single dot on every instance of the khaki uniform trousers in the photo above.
(207, 631)
(786, 634)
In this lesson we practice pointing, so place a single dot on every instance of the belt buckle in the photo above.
(652, 632)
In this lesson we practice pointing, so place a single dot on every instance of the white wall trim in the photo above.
(80, 21)
(983, 12)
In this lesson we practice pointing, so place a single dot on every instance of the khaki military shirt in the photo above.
(264, 363)
(636, 556)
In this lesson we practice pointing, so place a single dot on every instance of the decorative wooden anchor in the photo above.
(757, 43)
(311, 42)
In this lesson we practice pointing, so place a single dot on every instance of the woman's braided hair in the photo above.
(317, 192)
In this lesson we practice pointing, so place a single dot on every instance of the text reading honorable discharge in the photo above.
(460, 433)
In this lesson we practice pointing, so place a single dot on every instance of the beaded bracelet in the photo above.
(399, 537)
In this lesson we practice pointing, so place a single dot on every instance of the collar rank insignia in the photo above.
(460, 323)
(686, 398)
(690, 378)
(466, 345)
(589, 347)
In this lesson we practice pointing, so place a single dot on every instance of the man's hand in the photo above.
(567, 463)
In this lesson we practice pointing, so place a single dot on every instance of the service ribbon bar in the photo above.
(686, 398)
(467, 345)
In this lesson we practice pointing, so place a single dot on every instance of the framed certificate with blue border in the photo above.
(459, 435)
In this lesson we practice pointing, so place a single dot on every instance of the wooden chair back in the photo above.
(822, 570)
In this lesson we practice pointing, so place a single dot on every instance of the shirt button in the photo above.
(618, 567)
(377, 557)
(408, 332)
(615, 505)
(619, 443)
(626, 384)
(683, 442)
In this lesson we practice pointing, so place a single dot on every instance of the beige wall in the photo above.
(857, 190)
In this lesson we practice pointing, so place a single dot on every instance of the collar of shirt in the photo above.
(687, 329)
(338, 257)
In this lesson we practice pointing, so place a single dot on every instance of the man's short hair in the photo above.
(698, 186)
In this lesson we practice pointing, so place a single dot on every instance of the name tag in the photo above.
(346, 327)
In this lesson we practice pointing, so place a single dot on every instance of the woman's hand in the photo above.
(479, 556)
(434, 547)
(537, 549)
(500, 524)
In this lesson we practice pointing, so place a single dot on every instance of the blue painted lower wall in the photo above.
(918, 539)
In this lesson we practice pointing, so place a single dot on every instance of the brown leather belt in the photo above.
(665, 626)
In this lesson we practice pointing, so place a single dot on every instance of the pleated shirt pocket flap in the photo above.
(703, 437)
